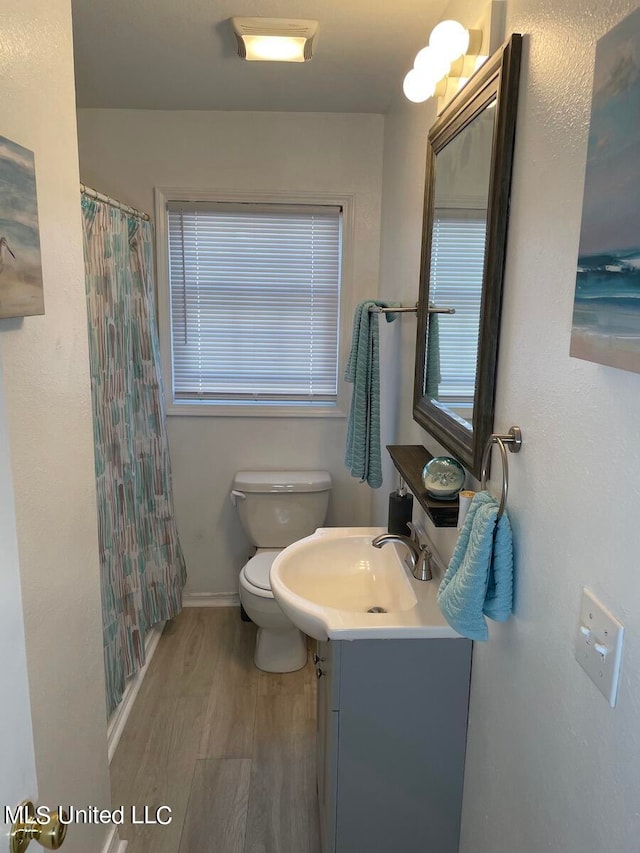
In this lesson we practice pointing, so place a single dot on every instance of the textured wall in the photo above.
(549, 765)
(48, 403)
(126, 153)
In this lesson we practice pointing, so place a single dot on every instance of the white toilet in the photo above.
(276, 508)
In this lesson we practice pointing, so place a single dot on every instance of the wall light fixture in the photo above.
(275, 39)
(452, 53)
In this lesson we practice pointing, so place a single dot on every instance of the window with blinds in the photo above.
(254, 302)
(457, 267)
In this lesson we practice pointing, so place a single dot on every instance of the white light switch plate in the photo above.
(599, 645)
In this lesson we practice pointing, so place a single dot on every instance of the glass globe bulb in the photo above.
(450, 38)
(432, 63)
(418, 87)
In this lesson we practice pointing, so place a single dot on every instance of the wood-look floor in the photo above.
(229, 748)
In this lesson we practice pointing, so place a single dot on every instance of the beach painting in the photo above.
(606, 313)
(21, 291)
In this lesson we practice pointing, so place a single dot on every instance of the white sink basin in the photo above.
(328, 583)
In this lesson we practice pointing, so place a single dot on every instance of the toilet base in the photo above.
(280, 650)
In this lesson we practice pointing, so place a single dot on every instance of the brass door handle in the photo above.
(47, 830)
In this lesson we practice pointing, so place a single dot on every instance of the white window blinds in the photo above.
(457, 266)
(255, 294)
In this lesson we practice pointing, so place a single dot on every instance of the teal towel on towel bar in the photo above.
(479, 580)
(434, 376)
(362, 456)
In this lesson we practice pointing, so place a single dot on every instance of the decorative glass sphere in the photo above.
(443, 478)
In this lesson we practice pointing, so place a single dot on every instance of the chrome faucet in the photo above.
(419, 554)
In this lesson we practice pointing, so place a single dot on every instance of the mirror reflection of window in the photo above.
(457, 265)
(458, 237)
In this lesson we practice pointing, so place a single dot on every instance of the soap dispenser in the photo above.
(400, 510)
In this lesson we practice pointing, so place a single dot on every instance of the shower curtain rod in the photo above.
(112, 201)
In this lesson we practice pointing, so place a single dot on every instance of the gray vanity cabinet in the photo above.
(392, 723)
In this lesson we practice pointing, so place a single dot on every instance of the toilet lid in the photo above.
(257, 569)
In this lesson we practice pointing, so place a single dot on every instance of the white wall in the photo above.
(126, 153)
(549, 765)
(48, 403)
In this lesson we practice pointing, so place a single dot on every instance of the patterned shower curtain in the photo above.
(142, 567)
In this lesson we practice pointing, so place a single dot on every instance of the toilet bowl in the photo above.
(276, 508)
(280, 646)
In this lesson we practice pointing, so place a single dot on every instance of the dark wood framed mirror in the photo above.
(466, 211)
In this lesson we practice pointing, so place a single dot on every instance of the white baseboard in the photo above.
(211, 599)
(114, 844)
(120, 715)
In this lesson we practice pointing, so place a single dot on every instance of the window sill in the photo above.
(222, 410)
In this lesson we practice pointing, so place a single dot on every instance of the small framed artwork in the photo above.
(21, 292)
(606, 312)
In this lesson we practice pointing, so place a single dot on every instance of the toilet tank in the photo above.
(279, 507)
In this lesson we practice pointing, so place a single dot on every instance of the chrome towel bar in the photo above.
(376, 309)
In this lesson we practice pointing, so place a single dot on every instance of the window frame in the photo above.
(337, 409)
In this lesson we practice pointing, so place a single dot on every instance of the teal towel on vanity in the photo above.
(479, 580)
(362, 456)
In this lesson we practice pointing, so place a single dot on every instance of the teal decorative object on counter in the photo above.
(443, 477)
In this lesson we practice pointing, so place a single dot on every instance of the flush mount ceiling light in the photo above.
(275, 39)
(452, 52)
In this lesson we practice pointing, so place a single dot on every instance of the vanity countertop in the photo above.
(326, 582)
